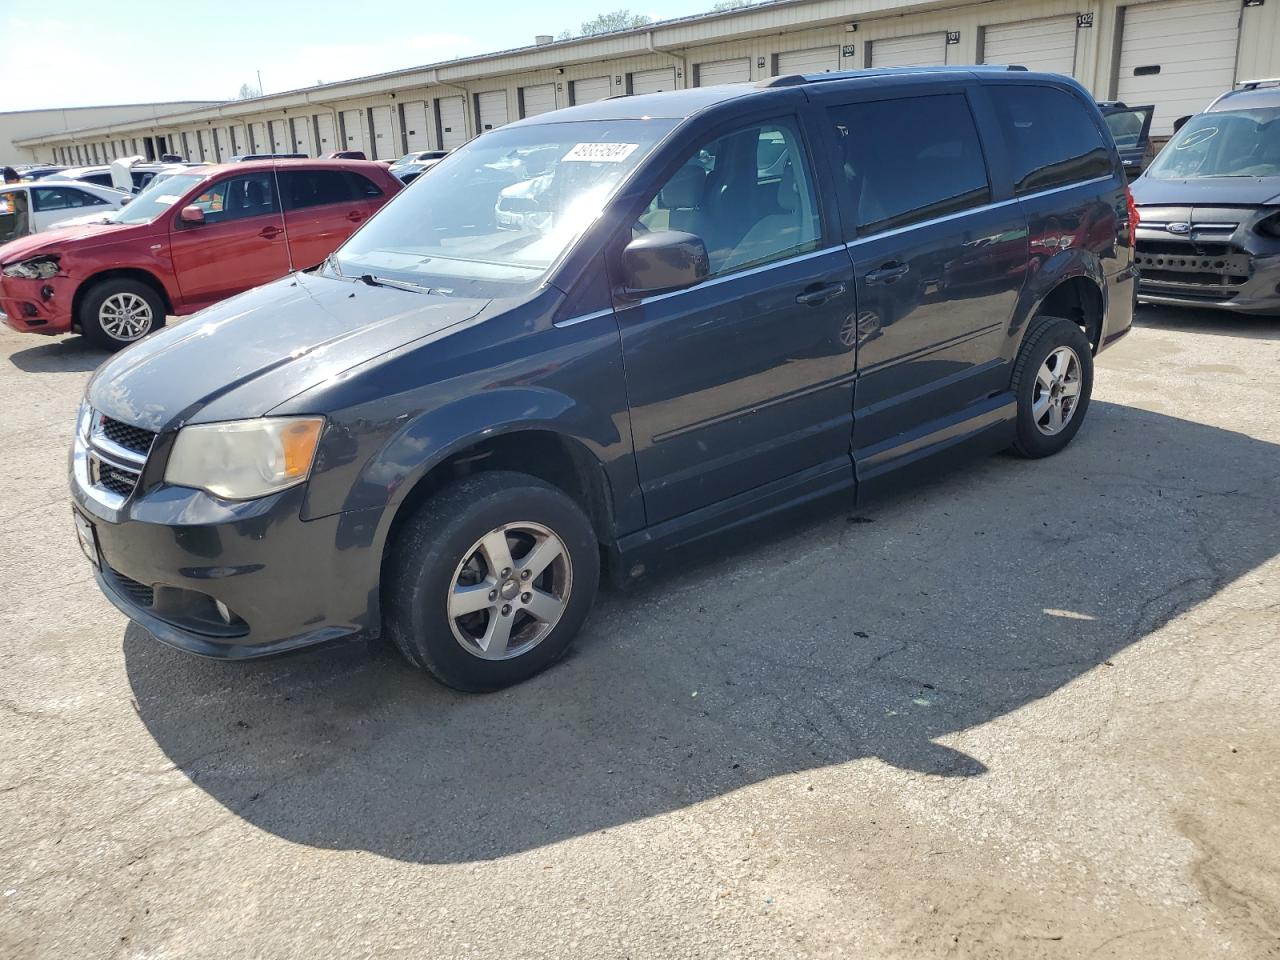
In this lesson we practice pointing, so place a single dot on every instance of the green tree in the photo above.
(616, 20)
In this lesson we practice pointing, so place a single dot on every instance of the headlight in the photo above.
(243, 459)
(84, 419)
(1270, 227)
(36, 268)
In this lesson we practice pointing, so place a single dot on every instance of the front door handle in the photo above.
(355, 216)
(270, 233)
(888, 273)
(820, 295)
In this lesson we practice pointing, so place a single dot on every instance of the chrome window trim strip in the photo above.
(574, 321)
(751, 271)
(968, 211)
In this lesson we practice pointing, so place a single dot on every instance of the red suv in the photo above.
(184, 243)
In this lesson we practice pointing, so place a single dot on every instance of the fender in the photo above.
(1052, 273)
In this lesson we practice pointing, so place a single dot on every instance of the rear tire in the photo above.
(479, 619)
(1052, 380)
(115, 313)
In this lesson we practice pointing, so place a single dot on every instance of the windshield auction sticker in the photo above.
(600, 152)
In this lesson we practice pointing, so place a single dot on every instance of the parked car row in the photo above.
(188, 240)
(34, 206)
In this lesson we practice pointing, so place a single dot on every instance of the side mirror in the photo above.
(662, 262)
(192, 215)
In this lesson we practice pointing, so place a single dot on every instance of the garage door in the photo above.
(537, 99)
(492, 109)
(257, 138)
(1178, 56)
(928, 49)
(591, 90)
(1048, 45)
(328, 137)
(384, 145)
(413, 117)
(281, 142)
(453, 122)
(302, 136)
(822, 60)
(721, 71)
(653, 81)
(354, 132)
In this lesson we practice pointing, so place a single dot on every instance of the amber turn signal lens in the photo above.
(298, 441)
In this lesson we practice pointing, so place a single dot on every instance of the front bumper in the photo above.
(1221, 262)
(37, 306)
(169, 555)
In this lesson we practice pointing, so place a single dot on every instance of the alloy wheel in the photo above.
(510, 591)
(1057, 391)
(125, 316)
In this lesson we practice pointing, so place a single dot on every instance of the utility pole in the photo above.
(260, 90)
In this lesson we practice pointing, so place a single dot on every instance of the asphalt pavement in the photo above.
(1027, 710)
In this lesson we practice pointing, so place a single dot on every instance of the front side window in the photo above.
(1230, 143)
(1051, 136)
(54, 198)
(907, 160)
(496, 214)
(749, 195)
(238, 198)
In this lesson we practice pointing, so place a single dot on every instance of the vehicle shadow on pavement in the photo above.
(1218, 323)
(878, 635)
(69, 355)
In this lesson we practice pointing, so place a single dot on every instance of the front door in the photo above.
(744, 379)
(938, 266)
(241, 243)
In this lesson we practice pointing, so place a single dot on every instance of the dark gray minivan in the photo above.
(593, 336)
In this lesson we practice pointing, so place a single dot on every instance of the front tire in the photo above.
(1053, 381)
(116, 313)
(490, 580)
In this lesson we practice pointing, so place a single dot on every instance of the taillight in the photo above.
(1133, 214)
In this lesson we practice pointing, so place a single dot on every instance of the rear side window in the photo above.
(908, 160)
(362, 186)
(1052, 138)
(315, 188)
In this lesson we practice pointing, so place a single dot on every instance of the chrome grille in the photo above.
(126, 435)
(114, 457)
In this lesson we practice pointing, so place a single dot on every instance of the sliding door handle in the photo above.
(820, 295)
(888, 273)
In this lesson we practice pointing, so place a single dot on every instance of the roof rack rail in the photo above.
(1255, 84)
(796, 79)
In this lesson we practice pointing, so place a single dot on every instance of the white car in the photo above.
(27, 208)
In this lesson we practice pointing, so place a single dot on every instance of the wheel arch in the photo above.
(119, 273)
(1071, 285)
(539, 450)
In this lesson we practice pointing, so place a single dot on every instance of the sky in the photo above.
(85, 52)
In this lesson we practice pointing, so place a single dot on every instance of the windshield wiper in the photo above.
(373, 281)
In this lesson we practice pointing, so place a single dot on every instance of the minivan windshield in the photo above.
(158, 197)
(496, 214)
(1230, 143)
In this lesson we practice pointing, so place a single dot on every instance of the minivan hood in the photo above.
(1206, 191)
(244, 356)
